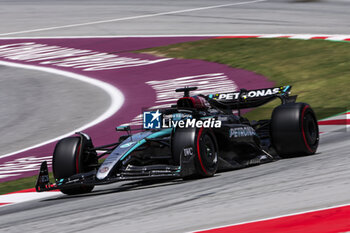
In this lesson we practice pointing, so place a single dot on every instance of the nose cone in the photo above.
(102, 172)
(119, 153)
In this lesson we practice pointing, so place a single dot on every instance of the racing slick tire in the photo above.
(204, 147)
(70, 157)
(207, 153)
(294, 130)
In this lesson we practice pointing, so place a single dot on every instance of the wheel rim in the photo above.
(208, 152)
(310, 129)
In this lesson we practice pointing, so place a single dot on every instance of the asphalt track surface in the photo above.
(278, 188)
(282, 187)
(34, 105)
(157, 17)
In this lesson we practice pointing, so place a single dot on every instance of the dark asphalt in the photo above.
(278, 188)
(36, 106)
(282, 187)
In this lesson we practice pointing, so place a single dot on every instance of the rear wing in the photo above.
(251, 98)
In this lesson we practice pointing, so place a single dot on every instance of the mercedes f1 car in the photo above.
(194, 151)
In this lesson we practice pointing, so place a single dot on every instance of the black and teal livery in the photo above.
(172, 153)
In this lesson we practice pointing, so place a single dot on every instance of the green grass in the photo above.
(26, 183)
(20, 184)
(318, 70)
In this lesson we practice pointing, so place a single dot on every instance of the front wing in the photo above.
(152, 172)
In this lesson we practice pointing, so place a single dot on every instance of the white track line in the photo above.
(335, 37)
(117, 100)
(133, 17)
(15, 198)
(271, 218)
(138, 36)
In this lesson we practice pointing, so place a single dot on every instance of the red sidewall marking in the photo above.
(198, 151)
(322, 221)
(77, 159)
(335, 122)
(302, 128)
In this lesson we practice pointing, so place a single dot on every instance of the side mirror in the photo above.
(123, 128)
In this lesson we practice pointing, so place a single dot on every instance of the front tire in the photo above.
(70, 157)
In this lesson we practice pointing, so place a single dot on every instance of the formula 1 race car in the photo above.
(197, 137)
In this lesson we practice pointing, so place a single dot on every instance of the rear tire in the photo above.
(207, 153)
(203, 158)
(294, 130)
(70, 157)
